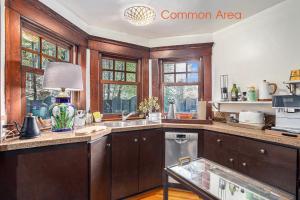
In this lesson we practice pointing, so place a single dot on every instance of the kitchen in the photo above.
(97, 103)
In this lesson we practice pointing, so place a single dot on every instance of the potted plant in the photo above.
(150, 108)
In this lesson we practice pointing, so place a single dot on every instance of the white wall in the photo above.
(265, 46)
(2, 63)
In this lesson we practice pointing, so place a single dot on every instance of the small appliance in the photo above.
(266, 90)
(287, 113)
(29, 128)
(252, 118)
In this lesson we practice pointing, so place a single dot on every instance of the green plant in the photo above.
(149, 105)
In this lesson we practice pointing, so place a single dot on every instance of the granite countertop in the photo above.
(50, 138)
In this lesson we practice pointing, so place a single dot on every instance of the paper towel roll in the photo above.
(201, 112)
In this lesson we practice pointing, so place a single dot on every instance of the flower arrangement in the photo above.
(149, 105)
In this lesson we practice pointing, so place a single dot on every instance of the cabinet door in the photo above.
(125, 156)
(58, 172)
(151, 159)
(100, 169)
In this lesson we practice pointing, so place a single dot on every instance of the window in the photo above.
(181, 83)
(36, 53)
(120, 86)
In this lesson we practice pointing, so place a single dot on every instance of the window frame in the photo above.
(199, 83)
(38, 71)
(102, 82)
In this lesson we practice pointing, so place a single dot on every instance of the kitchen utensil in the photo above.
(266, 90)
(29, 128)
(224, 87)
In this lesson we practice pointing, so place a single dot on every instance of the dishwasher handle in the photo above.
(181, 141)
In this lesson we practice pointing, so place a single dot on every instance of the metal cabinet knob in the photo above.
(144, 139)
(108, 145)
(219, 140)
(231, 159)
(244, 164)
(136, 140)
(262, 151)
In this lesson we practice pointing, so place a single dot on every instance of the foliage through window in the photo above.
(36, 53)
(181, 83)
(119, 78)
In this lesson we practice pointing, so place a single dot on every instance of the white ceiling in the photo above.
(105, 17)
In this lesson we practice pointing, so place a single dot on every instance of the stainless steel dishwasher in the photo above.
(178, 145)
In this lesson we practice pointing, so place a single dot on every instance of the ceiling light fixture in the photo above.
(139, 15)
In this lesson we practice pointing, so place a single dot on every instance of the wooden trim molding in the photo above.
(13, 81)
(38, 13)
(94, 80)
(199, 52)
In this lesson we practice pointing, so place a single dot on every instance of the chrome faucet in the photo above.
(125, 117)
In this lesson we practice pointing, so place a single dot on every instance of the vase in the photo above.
(154, 116)
(62, 114)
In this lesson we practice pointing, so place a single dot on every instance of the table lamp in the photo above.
(64, 77)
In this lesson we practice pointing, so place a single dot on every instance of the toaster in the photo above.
(252, 118)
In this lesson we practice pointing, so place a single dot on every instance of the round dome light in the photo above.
(140, 15)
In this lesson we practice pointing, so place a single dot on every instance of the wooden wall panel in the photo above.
(13, 81)
(207, 84)
(155, 78)
(94, 82)
(145, 78)
(111, 47)
(37, 12)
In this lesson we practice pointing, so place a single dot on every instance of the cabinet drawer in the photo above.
(270, 153)
(280, 176)
(219, 148)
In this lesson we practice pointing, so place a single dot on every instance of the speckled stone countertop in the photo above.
(49, 138)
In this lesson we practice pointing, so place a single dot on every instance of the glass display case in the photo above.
(217, 182)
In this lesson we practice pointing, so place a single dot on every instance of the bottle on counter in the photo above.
(234, 93)
(89, 117)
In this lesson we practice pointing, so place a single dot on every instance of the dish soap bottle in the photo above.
(234, 93)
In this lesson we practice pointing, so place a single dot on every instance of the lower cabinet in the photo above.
(100, 169)
(137, 162)
(272, 164)
(55, 172)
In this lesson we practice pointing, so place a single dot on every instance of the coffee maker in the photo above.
(287, 113)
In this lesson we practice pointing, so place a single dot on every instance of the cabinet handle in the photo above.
(231, 159)
(219, 140)
(144, 139)
(262, 151)
(244, 164)
(136, 140)
(108, 145)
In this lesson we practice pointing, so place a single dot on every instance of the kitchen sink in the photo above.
(116, 124)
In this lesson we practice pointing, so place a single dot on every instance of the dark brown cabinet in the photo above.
(55, 172)
(100, 169)
(136, 162)
(151, 159)
(259, 160)
(125, 157)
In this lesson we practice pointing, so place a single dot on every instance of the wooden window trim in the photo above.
(116, 116)
(162, 84)
(38, 71)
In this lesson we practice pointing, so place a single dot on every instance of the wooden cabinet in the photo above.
(259, 160)
(125, 155)
(54, 172)
(136, 162)
(151, 159)
(100, 169)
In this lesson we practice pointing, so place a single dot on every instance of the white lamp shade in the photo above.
(60, 75)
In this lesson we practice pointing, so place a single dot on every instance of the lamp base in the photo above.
(62, 114)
